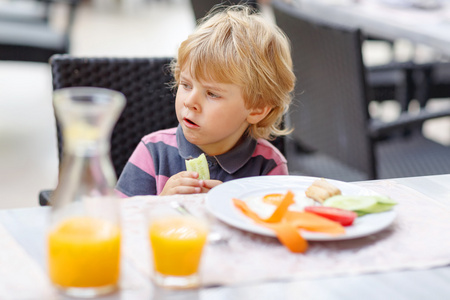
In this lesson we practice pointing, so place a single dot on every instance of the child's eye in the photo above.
(212, 95)
(185, 85)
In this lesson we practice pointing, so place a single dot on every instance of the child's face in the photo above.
(213, 115)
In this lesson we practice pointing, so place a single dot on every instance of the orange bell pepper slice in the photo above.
(286, 224)
(286, 233)
(312, 222)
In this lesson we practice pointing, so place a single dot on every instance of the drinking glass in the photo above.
(176, 243)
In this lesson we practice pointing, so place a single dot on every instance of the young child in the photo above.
(234, 81)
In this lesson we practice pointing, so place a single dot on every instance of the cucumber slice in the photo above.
(353, 203)
(361, 204)
(385, 200)
(383, 204)
(199, 165)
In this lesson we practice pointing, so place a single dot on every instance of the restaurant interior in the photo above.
(128, 28)
(367, 217)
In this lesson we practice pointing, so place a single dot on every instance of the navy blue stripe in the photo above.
(256, 166)
(166, 159)
(136, 182)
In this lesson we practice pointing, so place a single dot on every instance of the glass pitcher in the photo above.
(83, 239)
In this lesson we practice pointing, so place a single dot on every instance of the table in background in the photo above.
(429, 27)
(27, 227)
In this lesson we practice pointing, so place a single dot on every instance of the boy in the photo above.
(234, 78)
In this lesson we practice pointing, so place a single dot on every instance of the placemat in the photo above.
(417, 239)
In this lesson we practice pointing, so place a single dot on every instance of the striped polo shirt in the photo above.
(162, 154)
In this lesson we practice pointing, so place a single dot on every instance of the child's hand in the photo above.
(187, 183)
(209, 184)
(182, 183)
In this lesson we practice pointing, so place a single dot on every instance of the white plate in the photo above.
(219, 203)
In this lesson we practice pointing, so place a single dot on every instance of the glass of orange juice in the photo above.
(83, 254)
(177, 243)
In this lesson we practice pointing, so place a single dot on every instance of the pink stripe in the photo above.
(167, 136)
(120, 194)
(161, 181)
(269, 151)
(279, 170)
(142, 159)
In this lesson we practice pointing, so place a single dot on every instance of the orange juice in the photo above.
(84, 252)
(177, 244)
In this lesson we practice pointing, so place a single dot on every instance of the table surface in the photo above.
(27, 226)
(429, 27)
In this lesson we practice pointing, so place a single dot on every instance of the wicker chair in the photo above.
(144, 81)
(150, 100)
(334, 135)
(434, 82)
(27, 33)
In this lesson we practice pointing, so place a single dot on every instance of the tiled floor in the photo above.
(119, 28)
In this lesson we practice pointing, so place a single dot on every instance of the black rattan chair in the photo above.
(434, 82)
(144, 82)
(334, 135)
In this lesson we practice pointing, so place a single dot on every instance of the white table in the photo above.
(26, 227)
(420, 26)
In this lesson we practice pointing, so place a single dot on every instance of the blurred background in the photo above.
(115, 28)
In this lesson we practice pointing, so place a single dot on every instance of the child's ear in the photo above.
(257, 114)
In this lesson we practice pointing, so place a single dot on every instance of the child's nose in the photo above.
(193, 100)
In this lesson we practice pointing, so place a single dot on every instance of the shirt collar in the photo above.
(230, 161)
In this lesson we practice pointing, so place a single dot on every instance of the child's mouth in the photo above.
(189, 123)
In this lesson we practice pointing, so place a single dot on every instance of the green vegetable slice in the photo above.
(361, 204)
(383, 204)
(353, 203)
(199, 165)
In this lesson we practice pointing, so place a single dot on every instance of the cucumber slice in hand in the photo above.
(199, 165)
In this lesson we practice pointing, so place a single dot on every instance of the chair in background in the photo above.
(150, 105)
(434, 82)
(144, 82)
(28, 30)
(387, 82)
(334, 135)
(393, 81)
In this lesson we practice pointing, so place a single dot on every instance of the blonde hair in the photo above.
(237, 45)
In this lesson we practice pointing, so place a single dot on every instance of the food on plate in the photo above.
(320, 190)
(353, 203)
(288, 213)
(312, 222)
(361, 204)
(286, 233)
(342, 216)
(273, 199)
(199, 165)
(265, 205)
(286, 223)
